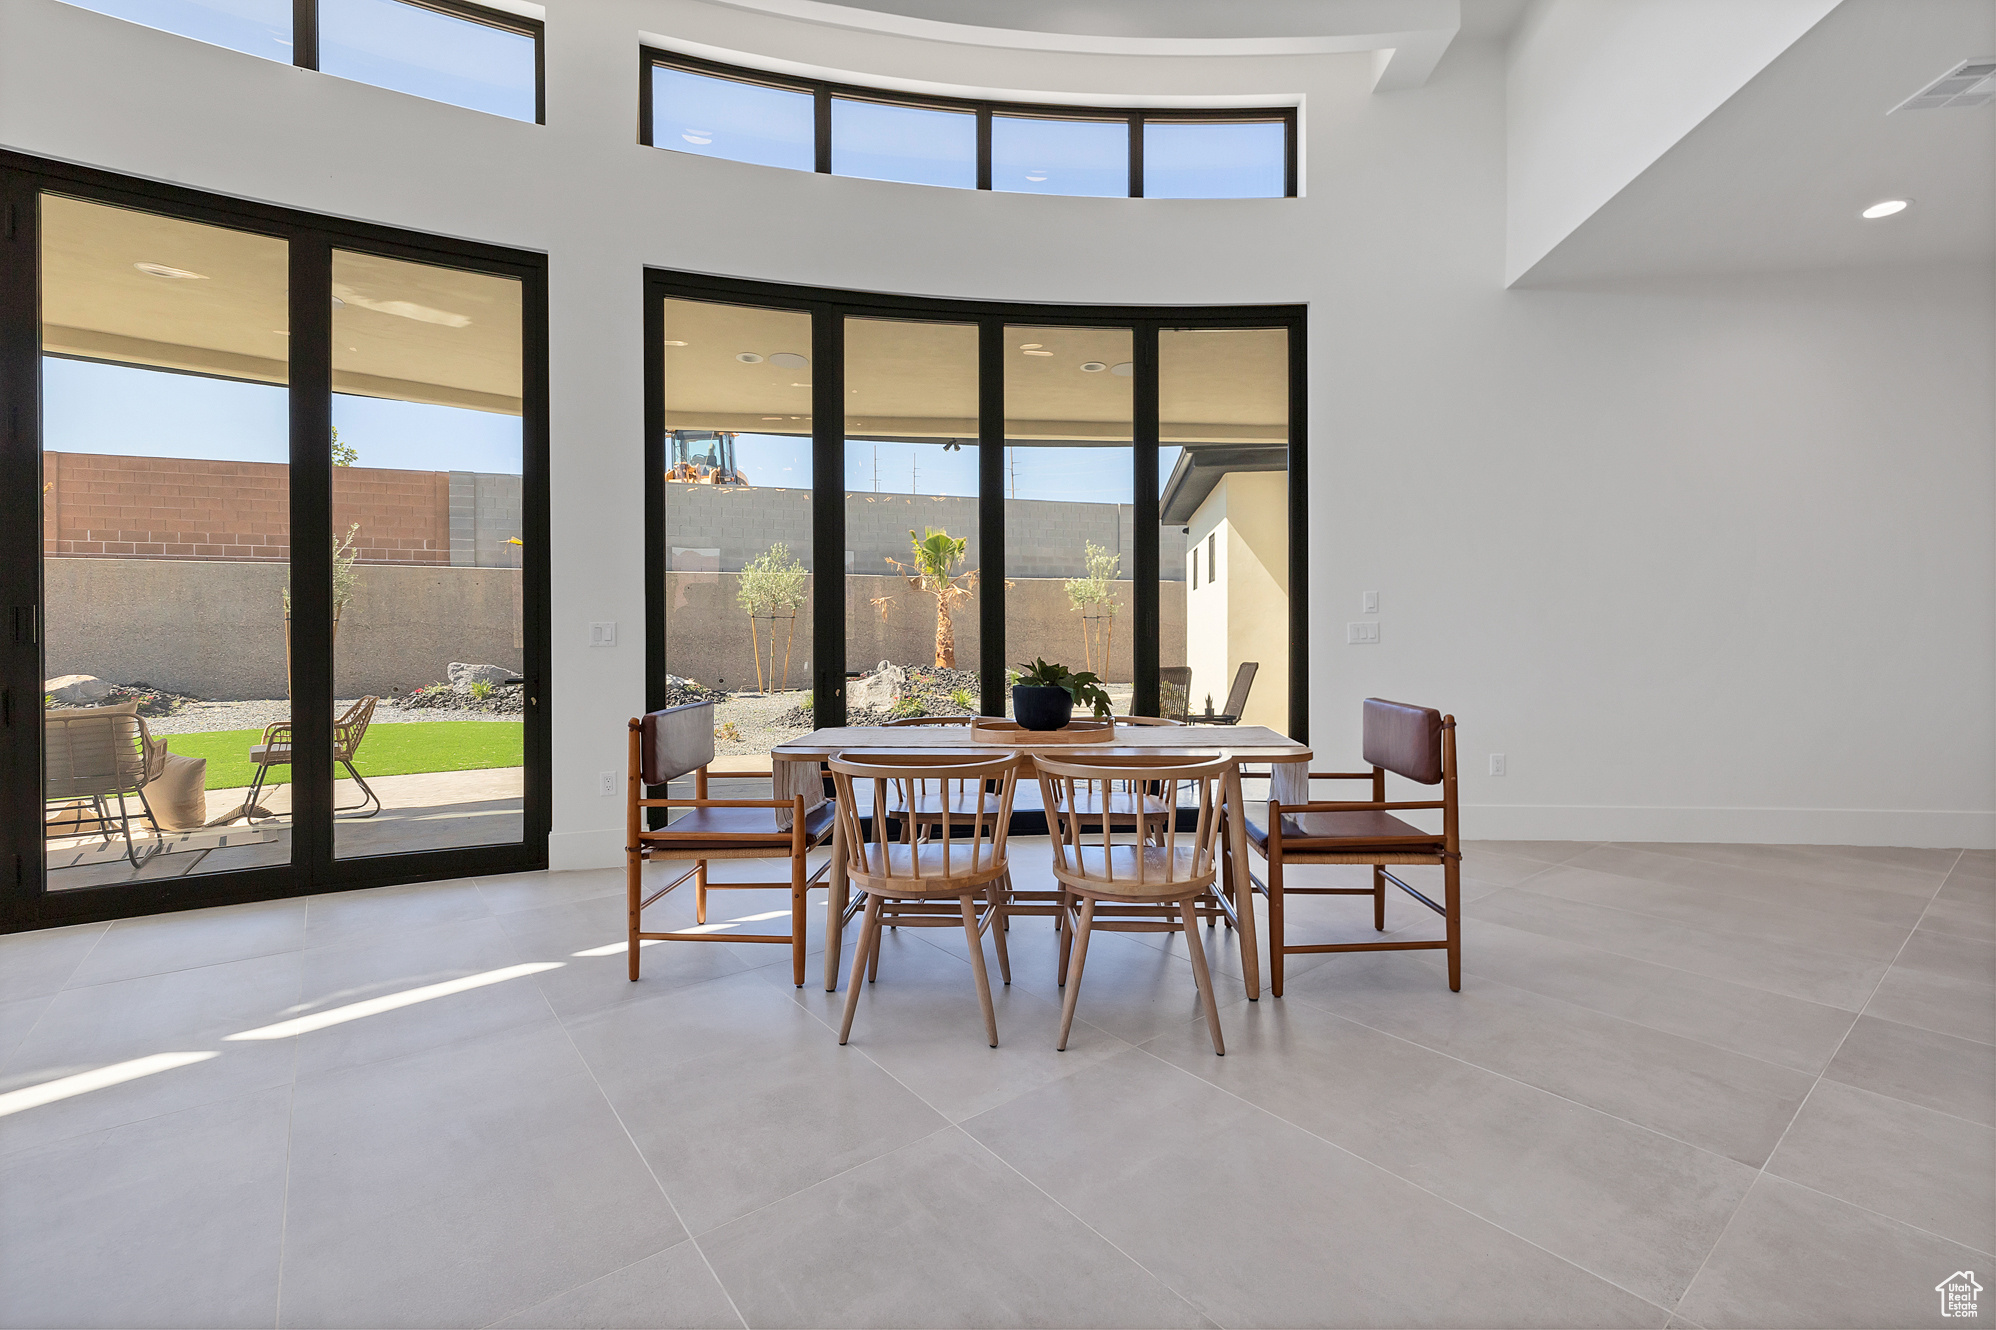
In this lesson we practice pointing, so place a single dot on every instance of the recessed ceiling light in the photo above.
(1030, 346)
(800, 385)
(1039, 353)
(338, 303)
(772, 417)
(161, 270)
(675, 344)
(749, 358)
(789, 360)
(281, 332)
(1093, 367)
(1885, 208)
(698, 136)
(1036, 176)
(1124, 370)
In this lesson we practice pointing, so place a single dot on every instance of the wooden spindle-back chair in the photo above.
(922, 873)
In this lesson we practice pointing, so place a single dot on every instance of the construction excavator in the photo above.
(702, 457)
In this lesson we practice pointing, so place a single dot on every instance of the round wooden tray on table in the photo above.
(993, 730)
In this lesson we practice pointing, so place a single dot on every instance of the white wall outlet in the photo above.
(606, 783)
(603, 634)
(1496, 764)
(1362, 634)
(1369, 601)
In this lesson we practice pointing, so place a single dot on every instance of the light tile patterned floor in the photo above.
(1684, 1085)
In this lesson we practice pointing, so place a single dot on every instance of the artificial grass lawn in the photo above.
(385, 750)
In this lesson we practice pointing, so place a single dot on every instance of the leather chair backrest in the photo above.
(675, 741)
(1404, 740)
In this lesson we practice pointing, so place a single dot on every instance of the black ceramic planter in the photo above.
(1037, 707)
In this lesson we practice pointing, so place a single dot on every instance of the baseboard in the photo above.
(1917, 827)
(585, 849)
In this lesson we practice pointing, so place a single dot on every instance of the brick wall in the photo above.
(196, 508)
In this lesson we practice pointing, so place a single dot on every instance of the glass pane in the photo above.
(1215, 160)
(1031, 156)
(908, 143)
(427, 501)
(738, 522)
(1069, 541)
(420, 51)
(912, 563)
(743, 122)
(255, 27)
(1223, 557)
(166, 545)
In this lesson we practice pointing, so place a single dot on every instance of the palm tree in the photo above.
(937, 555)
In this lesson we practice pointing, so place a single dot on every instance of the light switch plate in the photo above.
(1369, 602)
(1362, 633)
(603, 634)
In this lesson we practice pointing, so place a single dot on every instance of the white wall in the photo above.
(1707, 561)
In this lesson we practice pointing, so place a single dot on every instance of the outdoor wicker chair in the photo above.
(91, 755)
(275, 751)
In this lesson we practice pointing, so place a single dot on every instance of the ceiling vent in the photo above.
(1970, 83)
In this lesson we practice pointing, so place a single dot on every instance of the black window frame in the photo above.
(825, 91)
(305, 39)
(25, 900)
(829, 309)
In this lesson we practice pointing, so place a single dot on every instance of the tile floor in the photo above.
(1682, 1085)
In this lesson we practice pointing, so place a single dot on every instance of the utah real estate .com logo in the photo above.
(1958, 1292)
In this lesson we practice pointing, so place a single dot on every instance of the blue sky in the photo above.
(94, 408)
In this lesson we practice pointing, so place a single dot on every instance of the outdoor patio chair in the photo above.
(679, 741)
(1417, 743)
(1174, 691)
(275, 751)
(1236, 699)
(91, 755)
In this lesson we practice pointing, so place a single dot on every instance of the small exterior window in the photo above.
(254, 27)
(1215, 159)
(722, 117)
(914, 144)
(1031, 155)
(437, 53)
(1212, 547)
(446, 50)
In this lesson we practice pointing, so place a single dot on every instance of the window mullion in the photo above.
(305, 33)
(822, 126)
(1136, 156)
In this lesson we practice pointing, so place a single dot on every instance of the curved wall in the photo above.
(1579, 507)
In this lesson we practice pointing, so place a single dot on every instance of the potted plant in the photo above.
(1044, 695)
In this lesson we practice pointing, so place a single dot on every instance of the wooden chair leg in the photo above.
(1227, 882)
(700, 892)
(797, 925)
(1275, 926)
(633, 887)
(969, 906)
(1379, 898)
(1063, 922)
(1452, 898)
(1074, 975)
(997, 908)
(870, 960)
(869, 936)
(1203, 975)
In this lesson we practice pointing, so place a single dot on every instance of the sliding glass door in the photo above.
(273, 543)
(1000, 483)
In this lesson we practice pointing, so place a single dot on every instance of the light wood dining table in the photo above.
(1242, 743)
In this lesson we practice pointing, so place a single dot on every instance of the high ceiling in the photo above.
(134, 288)
(1776, 177)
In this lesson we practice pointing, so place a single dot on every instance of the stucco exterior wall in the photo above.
(1243, 613)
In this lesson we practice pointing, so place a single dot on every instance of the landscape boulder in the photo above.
(882, 688)
(463, 676)
(77, 690)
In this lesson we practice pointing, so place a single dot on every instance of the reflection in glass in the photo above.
(738, 563)
(254, 27)
(1223, 511)
(743, 122)
(1215, 160)
(428, 636)
(166, 546)
(907, 143)
(1069, 539)
(420, 51)
(1038, 156)
(914, 568)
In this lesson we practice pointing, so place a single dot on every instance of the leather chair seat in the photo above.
(1353, 832)
(730, 824)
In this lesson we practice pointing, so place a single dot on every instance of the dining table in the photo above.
(796, 767)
